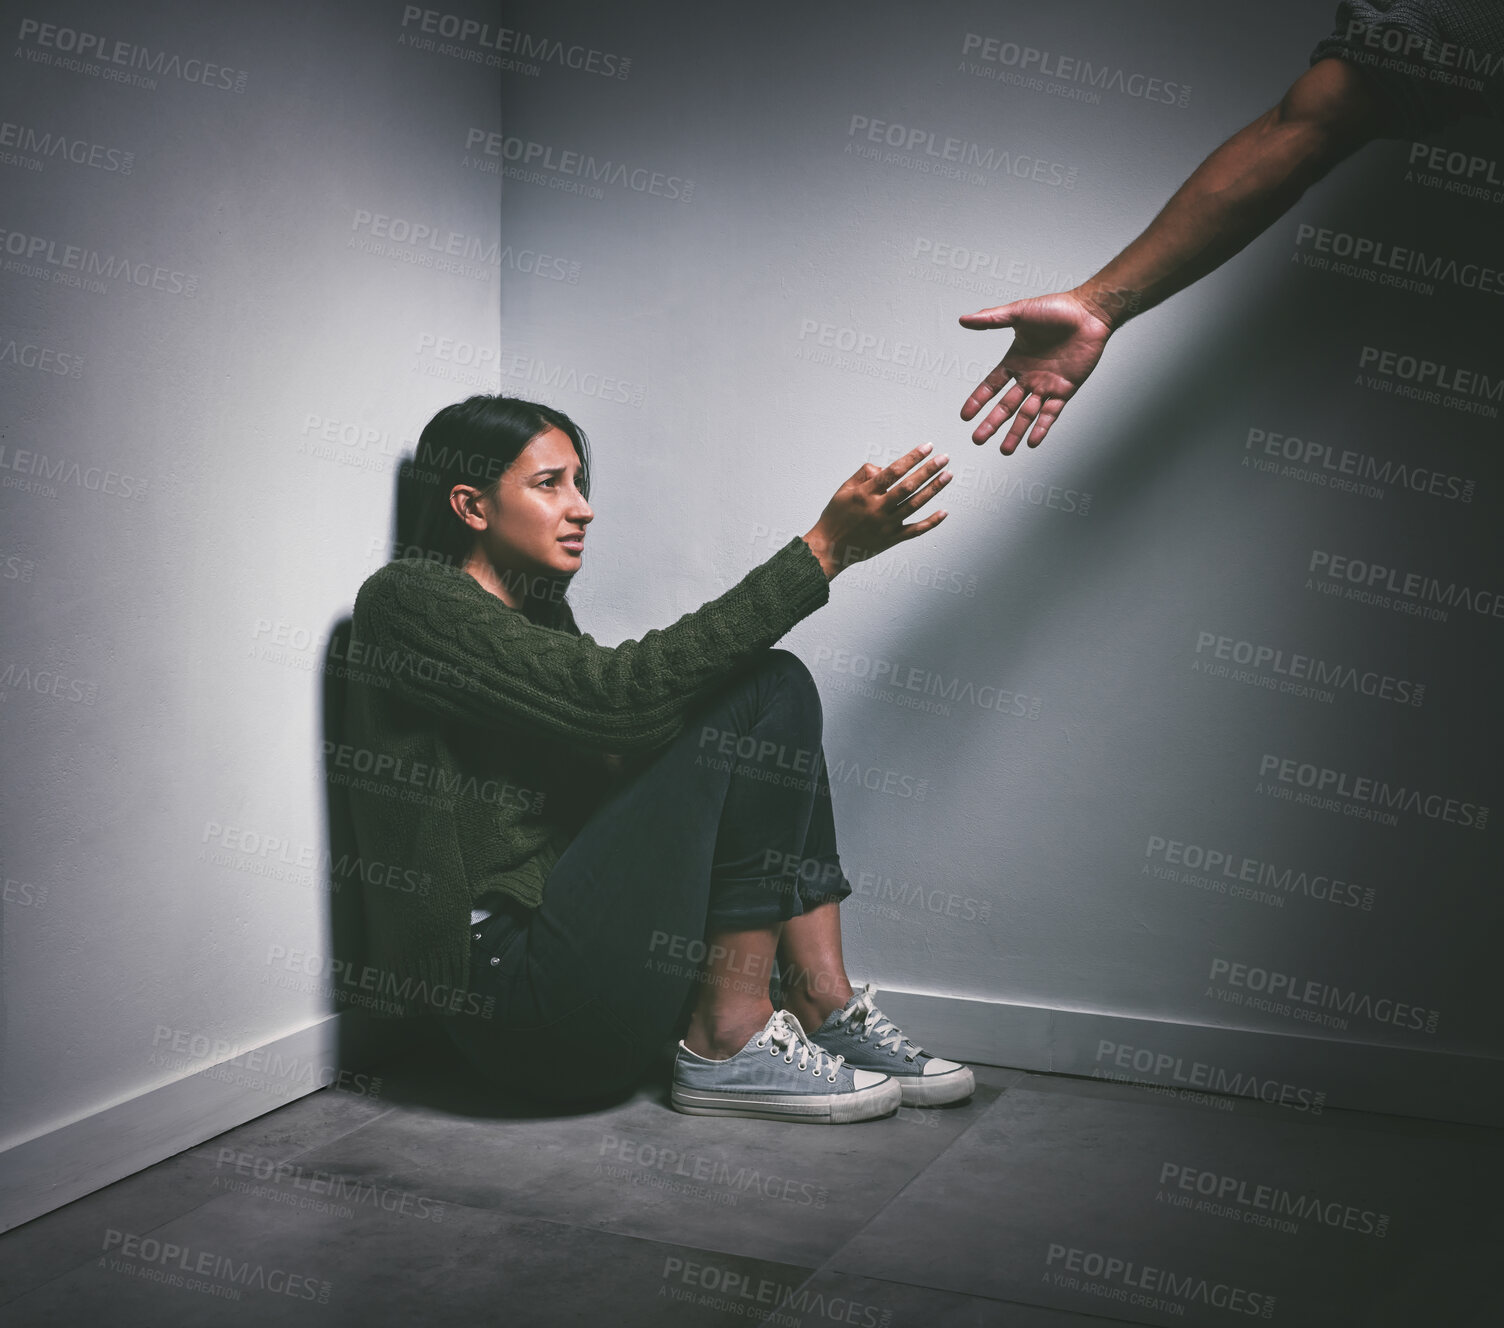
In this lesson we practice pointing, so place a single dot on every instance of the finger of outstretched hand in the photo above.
(988, 388)
(1048, 414)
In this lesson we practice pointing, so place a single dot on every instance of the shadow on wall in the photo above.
(365, 1039)
(371, 1029)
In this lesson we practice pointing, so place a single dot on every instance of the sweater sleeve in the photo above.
(453, 648)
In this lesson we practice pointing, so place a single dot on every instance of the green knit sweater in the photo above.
(472, 749)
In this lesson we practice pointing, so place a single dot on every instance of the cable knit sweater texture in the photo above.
(474, 733)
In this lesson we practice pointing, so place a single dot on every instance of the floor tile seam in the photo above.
(189, 1154)
(99, 1254)
(952, 1291)
(515, 1216)
(638, 1238)
(825, 1265)
(213, 1198)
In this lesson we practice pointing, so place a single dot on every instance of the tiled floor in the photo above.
(1044, 1202)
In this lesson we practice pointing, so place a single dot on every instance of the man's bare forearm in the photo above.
(1238, 191)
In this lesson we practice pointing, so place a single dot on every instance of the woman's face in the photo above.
(535, 518)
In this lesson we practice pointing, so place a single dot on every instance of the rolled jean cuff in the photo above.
(760, 902)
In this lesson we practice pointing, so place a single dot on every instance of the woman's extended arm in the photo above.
(439, 639)
(450, 646)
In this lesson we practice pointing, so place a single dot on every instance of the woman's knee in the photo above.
(779, 686)
(793, 673)
(787, 662)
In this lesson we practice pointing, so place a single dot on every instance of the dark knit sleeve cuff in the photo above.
(801, 579)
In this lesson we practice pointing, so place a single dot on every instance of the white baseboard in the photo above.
(62, 1164)
(1293, 1067)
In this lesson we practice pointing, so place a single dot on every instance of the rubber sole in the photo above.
(934, 1089)
(813, 1109)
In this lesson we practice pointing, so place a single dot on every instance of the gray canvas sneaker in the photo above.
(871, 1041)
(781, 1075)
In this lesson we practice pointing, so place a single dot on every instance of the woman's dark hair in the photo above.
(473, 442)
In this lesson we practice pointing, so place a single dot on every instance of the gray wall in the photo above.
(756, 297)
(200, 444)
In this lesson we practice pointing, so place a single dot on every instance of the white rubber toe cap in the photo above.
(937, 1066)
(861, 1079)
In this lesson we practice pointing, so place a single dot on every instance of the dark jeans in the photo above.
(726, 827)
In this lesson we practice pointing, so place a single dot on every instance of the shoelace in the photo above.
(785, 1036)
(863, 1012)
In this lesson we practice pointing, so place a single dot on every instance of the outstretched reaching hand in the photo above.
(1235, 194)
(866, 514)
(1057, 341)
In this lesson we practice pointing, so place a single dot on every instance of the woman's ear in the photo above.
(468, 505)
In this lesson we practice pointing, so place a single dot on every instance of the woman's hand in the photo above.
(866, 515)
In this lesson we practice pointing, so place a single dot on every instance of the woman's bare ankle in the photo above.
(719, 1035)
(810, 1008)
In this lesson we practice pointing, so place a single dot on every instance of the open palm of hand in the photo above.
(1057, 341)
